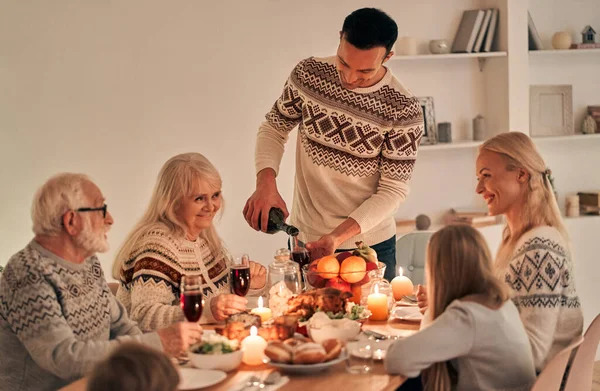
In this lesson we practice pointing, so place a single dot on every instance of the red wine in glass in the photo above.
(191, 297)
(191, 303)
(301, 257)
(239, 278)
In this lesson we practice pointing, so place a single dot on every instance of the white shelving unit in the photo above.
(573, 137)
(450, 146)
(481, 57)
(566, 52)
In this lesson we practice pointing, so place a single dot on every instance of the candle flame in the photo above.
(253, 331)
(400, 271)
(376, 289)
(260, 302)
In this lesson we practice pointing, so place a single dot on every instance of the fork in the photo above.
(255, 382)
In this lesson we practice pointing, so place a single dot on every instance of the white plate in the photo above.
(192, 378)
(304, 369)
(408, 314)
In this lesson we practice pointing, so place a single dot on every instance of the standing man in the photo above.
(358, 135)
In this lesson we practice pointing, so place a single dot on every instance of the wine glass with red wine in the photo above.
(300, 254)
(239, 275)
(191, 297)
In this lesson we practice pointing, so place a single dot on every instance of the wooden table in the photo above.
(336, 377)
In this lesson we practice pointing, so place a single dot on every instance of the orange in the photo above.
(353, 269)
(328, 267)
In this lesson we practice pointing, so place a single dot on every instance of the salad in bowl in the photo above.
(215, 351)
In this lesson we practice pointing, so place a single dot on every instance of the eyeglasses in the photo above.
(102, 208)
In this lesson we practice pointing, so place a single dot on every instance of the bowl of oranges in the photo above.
(347, 271)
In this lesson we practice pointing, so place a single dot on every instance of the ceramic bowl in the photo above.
(331, 331)
(223, 362)
(439, 46)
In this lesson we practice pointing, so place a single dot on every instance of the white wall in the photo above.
(113, 89)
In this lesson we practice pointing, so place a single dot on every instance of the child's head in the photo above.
(459, 264)
(134, 367)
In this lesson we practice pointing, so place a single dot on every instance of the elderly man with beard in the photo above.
(57, 315)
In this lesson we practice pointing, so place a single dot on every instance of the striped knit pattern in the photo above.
(57, 319)
(541, 277)
(150, 277)
(356, 149)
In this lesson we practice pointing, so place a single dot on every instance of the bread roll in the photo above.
(295, 341)
(309, 353)
(279, 352)
(333, 348)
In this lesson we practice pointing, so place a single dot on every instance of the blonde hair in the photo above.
(178, 178)
(134, 367)
(59, 194)
(459, 264)
(540, 207)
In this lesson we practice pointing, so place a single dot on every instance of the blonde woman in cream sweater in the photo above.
(534, 258)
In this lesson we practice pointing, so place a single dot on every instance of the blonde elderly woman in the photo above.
(57, 315)
(176, 237)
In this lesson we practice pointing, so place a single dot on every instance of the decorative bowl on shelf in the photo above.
(439, 46)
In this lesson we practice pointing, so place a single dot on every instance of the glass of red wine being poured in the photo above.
(300, 254)
(191, 297)
(239, 275)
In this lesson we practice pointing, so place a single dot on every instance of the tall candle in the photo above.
(253, 348)
(264, 312)
(401, 286)
(377, 303)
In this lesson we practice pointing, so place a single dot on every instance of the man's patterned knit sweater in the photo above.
(355, 153)
(57, 319)
(540, 274)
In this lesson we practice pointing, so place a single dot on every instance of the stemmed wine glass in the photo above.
(239, 275)
(300, 254)
(191, 297)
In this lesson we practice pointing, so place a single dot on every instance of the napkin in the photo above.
(271, 387)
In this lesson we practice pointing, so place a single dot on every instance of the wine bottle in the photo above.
(277, 223)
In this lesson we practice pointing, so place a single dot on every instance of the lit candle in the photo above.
(401, 286)
(377, 303)
(264, 312)
(253, 348)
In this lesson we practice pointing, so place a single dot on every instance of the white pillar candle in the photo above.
(253, 348)
(377, 303)
(264, 312)
(401, 286)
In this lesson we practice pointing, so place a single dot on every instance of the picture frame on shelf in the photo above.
(551, 110)
(429, 128)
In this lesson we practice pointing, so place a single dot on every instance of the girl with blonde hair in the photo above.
(475, 331)
(176, 237)
(534, 257)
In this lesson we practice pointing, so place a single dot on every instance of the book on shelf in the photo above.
(489, 37)
(535, 42)
(466, 35)
(482, 31)
(585, 46)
